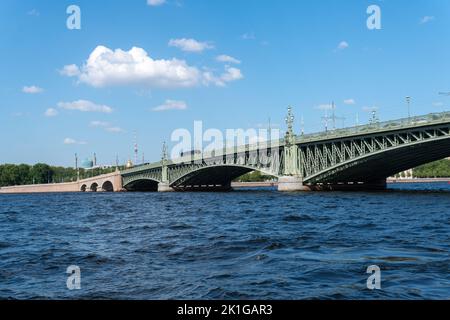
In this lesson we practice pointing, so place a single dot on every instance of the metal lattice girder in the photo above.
(356, 154)
(149, 172)
(320, 165)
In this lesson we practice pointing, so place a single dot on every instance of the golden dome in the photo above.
(129, 164)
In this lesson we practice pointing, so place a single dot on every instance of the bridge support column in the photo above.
(291, 184)
(292, 179)
(164, 187)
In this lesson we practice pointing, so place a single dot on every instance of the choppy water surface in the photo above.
(247, 244)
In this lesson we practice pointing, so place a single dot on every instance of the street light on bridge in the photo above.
(408, 102)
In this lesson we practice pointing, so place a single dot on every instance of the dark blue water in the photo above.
(248, 244)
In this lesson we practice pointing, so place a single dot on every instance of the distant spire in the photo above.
(302, 125)
(333, 116)
(164, 153)
(136, 150)
(76, 167)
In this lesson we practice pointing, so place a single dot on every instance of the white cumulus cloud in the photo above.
(106, 67)
(73, 141)
(85, 106)
(114, 129)
(369, 109)
(190, 45)
(349, 101)
(155, 3)
(106, 126)
(248, 36)
(70, 70)
(230, 74)
(51, 112)
(342, 45)
(227, 59)
(171, 105)
(32, 89)
(426, 19)
(324, 107)
(99, 124)
(34, 12)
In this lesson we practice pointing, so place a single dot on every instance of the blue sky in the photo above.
(231, 64)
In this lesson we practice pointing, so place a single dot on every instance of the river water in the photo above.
(246, 244)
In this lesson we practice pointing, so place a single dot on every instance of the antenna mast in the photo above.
(302, 125)
(136, 150)
(76, 167)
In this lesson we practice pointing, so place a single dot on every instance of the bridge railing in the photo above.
(239, 149)
(374, 127)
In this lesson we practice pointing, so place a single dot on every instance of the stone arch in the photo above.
(107, 186)
(94, 187)
(83, 188)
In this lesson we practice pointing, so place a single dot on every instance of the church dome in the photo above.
(129, 164)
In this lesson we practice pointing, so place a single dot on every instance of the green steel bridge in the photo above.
(360, 157)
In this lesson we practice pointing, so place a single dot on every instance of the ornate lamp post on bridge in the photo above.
(164, 185)
(291, 179)
(408, 102)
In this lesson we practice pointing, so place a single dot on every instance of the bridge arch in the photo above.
(94, 187)
(212, 177)
(83, 188)
(107, 186)
(142, 185)
(384, 163)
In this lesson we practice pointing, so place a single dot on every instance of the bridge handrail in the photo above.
(375, 127)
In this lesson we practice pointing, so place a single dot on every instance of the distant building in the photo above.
(87, 164)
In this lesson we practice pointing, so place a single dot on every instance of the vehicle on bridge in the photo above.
(190, 153)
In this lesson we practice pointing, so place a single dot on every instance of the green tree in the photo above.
(437, 169)
(41, 173)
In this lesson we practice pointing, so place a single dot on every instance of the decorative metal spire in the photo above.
(290, 120)
(164, 153)
(164, 171)
(374, 119)
(290, 123)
